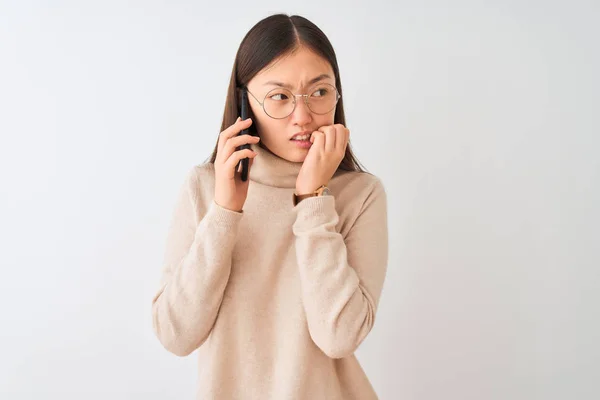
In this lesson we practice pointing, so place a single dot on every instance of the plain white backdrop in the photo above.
(480, 117)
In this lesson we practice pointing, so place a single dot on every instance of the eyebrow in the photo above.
(286, 85)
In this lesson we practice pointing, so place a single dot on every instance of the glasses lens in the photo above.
(279, 103)
(322, 98)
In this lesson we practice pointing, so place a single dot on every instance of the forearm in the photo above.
(186, 307)
(339, 308)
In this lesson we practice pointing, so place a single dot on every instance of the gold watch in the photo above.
(321, 191)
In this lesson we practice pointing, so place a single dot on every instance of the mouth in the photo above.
(302, 136)
(303, 144)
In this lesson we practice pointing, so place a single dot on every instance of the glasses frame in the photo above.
(304, 96)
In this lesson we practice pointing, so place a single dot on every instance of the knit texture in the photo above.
(276, 298)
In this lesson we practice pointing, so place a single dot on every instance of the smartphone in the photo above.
(244, 114)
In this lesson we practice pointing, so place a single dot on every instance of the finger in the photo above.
(232, 162)
(319, 140)
(340, 138)
(223, 137)
(329, 132)
(233, 130)
(234, 143)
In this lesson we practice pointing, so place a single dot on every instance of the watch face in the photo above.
(326, 192)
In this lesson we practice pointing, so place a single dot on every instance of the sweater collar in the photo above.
(271, 170)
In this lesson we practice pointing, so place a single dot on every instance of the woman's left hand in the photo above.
(324, 157)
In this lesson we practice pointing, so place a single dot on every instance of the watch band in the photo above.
(322, 190)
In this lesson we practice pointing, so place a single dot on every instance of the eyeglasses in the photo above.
(280, 103)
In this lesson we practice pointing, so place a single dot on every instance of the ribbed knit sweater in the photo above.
(275, 298)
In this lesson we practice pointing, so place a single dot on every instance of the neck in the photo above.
(272, 170)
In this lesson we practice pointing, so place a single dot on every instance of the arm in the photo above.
(195, 271)
(341, 279)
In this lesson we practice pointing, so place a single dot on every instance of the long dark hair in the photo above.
(271, 38)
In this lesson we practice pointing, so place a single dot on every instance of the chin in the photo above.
(298, 156)
(293, 157)
(299, 159)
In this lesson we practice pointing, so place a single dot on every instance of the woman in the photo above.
(276, 279)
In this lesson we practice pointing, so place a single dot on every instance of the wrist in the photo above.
(228, 207)
(322, 190)
(306, 189)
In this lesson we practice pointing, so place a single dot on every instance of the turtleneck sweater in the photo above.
(276, 298)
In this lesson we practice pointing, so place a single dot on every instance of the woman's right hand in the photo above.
(230, 190)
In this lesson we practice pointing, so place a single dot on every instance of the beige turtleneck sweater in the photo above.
(276, 298)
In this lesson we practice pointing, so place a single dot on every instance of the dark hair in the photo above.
(272, 38)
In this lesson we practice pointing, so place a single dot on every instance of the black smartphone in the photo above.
(244, 114)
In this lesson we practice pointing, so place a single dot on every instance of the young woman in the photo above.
(276, 280)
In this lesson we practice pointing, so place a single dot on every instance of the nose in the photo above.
(301, 114)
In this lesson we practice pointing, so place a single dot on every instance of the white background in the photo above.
(481, 118)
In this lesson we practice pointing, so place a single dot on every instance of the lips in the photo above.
(303, 133)
(301, 139)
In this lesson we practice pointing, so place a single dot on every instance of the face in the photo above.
(295, 71)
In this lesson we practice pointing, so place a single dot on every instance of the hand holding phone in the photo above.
(230, 191)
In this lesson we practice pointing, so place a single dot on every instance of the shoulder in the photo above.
(198, 183)
(355, 192)
(358, 194)
(359, 184)
(200, 175)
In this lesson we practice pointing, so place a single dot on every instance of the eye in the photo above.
(320, 92)
(279, 96)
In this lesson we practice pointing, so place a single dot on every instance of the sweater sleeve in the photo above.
(196, 268)
(341, 278)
